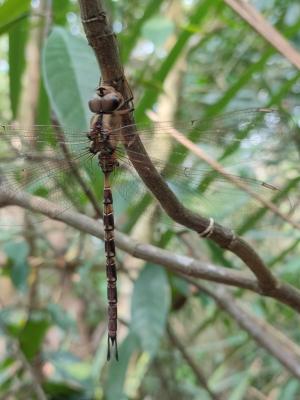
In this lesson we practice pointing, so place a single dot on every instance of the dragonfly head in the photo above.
(106, 100)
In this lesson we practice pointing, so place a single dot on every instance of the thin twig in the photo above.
(286, 351)
(233, 179)
(265, 29)
(36, 386)
(282, 292)
(275, 342)
(40, 394)
(75, 172)
(192, 363)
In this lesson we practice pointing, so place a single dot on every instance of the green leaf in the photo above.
(7, 371)
(33, 333)
(158, 29)
(60, 10)
(151, 94)
(150, 306)
(60, 317)
(241, 388)
(100, 359)
(17, 41)
(70, 74)
(180, 286)
(17, 253)
(43, 111)
(70, 373)
(254, 217)
(291, 390)
(136, 211)
(12, 321)
(63, 390)
(70, 377)
(291, 249)
(11, 12)
(135, 30)
(117, 371)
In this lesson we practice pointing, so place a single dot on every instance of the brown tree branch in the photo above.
(283, 292)
(276, 343)
(31, 80)
(103, 42)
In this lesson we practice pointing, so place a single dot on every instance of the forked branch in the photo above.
(103, 42)
(188, 268)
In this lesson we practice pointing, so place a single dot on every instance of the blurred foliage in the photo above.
(53, 283)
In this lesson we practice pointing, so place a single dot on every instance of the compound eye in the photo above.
(115, 103)
(101, 91)
(95, 105)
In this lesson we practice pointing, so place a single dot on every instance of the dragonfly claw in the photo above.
(113, 342)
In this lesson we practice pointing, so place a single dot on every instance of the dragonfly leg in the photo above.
(113, 342)
(118, 83)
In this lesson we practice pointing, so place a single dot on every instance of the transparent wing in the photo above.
(219, 197)
(33, 162)
(253, 126)
(249, 143)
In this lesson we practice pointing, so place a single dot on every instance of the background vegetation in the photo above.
(175, 341)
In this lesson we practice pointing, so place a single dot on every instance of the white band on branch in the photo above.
(208, 230)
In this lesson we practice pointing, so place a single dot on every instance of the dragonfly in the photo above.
(45, 160)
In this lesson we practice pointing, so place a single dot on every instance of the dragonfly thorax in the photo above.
(103, 141)
(104, 147)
